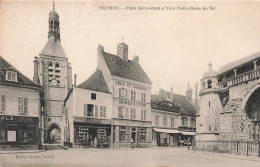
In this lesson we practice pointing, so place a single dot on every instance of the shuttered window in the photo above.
(3, 103)
(22, 105)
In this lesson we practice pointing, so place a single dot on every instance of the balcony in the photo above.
(239, 79)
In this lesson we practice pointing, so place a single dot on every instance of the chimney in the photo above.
(100, 47)
(189, 93)
(36, 72)
(136, 59)
(122, 51)
(75, 79)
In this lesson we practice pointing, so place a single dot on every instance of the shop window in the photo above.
(2, 134)
(122, 93)
(172, 122)
(96, 111)
(143, 115)
(3, 99)
(143, 97)
(23, 134)
(164, 121)
(184, 121)
(142, 135)
(22, 105)
(121, 112)
(103, 112)
(93, 96)
(133, 95)
(124, 134)
(133, 113)
(11, 76)
(11, 133)
(156, 120)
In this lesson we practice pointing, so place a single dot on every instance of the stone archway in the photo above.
(54, 133)
(251, 106)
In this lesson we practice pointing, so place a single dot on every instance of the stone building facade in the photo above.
(53, 72)
(131, 98)
(20, 110)
(236, 109)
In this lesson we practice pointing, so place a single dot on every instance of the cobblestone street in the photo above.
(154, 157)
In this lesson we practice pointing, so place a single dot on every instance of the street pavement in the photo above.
(149, 157)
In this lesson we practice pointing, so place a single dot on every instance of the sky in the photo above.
(174, 46)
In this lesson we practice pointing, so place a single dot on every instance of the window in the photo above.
(57, 71)
(11, 76)
(3, 99)
(121, 112)
(193, 122)
(133, 95)
(88, 110)
(209, 103)
(103, 112)
(184, 121)
(142, 135)
(50, 64)
(124, 134)
(93, 96)
(209, 84)
(96, 111)
(122, 93)
(22, 105)
(133, 113)
(57, 65)
(172, 122)
(143, 97)
(143, 115)
(210, 128)
(126, 112)
(50, 70)
(156, 120)
(164, 121)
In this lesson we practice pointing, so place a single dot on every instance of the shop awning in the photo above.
(166, 130)
(188, 133)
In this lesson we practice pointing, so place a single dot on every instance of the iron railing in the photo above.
(249, 148)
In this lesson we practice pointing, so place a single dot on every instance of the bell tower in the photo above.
(53, 71)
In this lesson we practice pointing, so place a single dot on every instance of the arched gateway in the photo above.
(54, 133)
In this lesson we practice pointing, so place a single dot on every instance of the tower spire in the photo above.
(53, 5)
(54, 23)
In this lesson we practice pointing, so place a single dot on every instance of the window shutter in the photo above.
(144, 114)
(105, 113)
(25, 101)
(126, 112)
(20, 105)
(2, 103)
(126, 94)
(85, 110)
(96, 111)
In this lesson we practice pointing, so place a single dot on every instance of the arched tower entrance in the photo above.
(252, 109)
(54, 133)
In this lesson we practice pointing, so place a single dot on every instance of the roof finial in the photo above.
(210, 65)
(122, 39)
(53, 5)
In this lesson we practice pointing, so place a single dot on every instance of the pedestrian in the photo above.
(189, 143)
(132, 143)
(95, 142)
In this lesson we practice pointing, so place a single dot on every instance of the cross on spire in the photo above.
(122, 39)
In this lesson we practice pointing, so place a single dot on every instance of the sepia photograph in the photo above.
(129, 83)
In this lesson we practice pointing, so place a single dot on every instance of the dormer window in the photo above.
(11, 76)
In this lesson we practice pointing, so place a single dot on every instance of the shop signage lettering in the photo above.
(164, 107)
(18, 118)
(91, 120)
(129, 86)
(133, 103)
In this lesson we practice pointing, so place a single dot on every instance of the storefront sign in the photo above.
(9, 118)
(91, 120)
(11, 136)
(164, 107)
(130, 85)
(133, 103)
(132, 123)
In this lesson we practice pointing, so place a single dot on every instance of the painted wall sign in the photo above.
(164, 107)
(91, 120)
(133, 103)
(10, 118)
(131, 86)
(11, 135)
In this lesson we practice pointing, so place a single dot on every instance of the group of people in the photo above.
(99, 142)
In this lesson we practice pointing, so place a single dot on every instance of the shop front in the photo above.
(186, 137)
(166, 137)
(132, 133)
(19, 132)
(91, 133)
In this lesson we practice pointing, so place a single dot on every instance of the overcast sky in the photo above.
(174, 47)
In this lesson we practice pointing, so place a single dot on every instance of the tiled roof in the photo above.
(95, 82)
(121, 68)
(53, 48)
(238, 62)
(21, 79)
(186, 107)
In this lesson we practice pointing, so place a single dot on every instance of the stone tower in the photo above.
(207, 125)
(53, 71)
